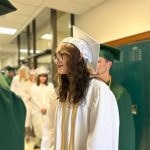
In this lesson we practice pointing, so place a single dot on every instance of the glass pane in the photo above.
(31, 63)
(31, 39)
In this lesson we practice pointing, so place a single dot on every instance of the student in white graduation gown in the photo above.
(87, 115)
(42, 92)
(19, 80)
(27, 100)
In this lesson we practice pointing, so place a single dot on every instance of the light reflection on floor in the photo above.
(30, 144)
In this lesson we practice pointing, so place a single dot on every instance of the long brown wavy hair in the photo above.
(75, 83)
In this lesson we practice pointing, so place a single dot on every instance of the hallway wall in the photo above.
(116, 19)
(10, 61)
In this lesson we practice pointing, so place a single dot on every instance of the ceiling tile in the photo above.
(67, 6)
(30, 2)
(10, 24)
(90, 3)
(23, 9)
(14, 18)
(4, 38)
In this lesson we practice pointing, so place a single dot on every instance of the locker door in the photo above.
(133, 72)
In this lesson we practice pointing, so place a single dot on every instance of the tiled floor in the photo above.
(30, 144)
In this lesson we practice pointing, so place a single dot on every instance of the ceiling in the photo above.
(27, 10)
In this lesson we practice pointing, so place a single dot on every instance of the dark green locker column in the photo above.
(133, 71)
(134, 82)
(146, 46)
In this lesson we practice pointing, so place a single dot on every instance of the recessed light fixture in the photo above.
(47, 36)
(22, 57)
(9, 31)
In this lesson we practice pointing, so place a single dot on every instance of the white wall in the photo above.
(116, 19)
(11, 61)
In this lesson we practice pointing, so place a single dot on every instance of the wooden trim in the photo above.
(18, 45)
(28, 44)
(53, 22)
(72, 22)
(34, 42)
(131, 39)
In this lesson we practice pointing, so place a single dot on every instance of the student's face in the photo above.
(103, 66)
(22, 73)
(42, 79)
(61, 60)
(10, 74)
(32, 77)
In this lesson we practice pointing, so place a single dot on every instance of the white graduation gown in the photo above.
(17, 86)
(96, 125)
(23, 89)
(40, 97)
(27, 100)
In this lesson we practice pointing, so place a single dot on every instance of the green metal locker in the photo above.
(133, 72)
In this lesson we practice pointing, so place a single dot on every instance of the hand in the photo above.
(43, 111)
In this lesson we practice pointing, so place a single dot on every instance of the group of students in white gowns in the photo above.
(36, 92)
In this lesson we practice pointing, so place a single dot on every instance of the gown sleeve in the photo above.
(104, 122)
(13, 84)
(49, 129)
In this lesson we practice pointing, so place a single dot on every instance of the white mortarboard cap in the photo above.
(32, 72)
(42, 70)
(88, 46)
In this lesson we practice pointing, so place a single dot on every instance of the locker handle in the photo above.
(134, 109)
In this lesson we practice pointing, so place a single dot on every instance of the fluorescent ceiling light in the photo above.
(47, 36)
(9, 31)
(31, 51)
(21, 57)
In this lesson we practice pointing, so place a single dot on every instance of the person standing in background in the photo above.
(18, 81)
(3, 82)
(42, 92)
(27, 100)
(12, 115)
(127, 129)
(9, 74)
(12, 108)
(86, 117)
